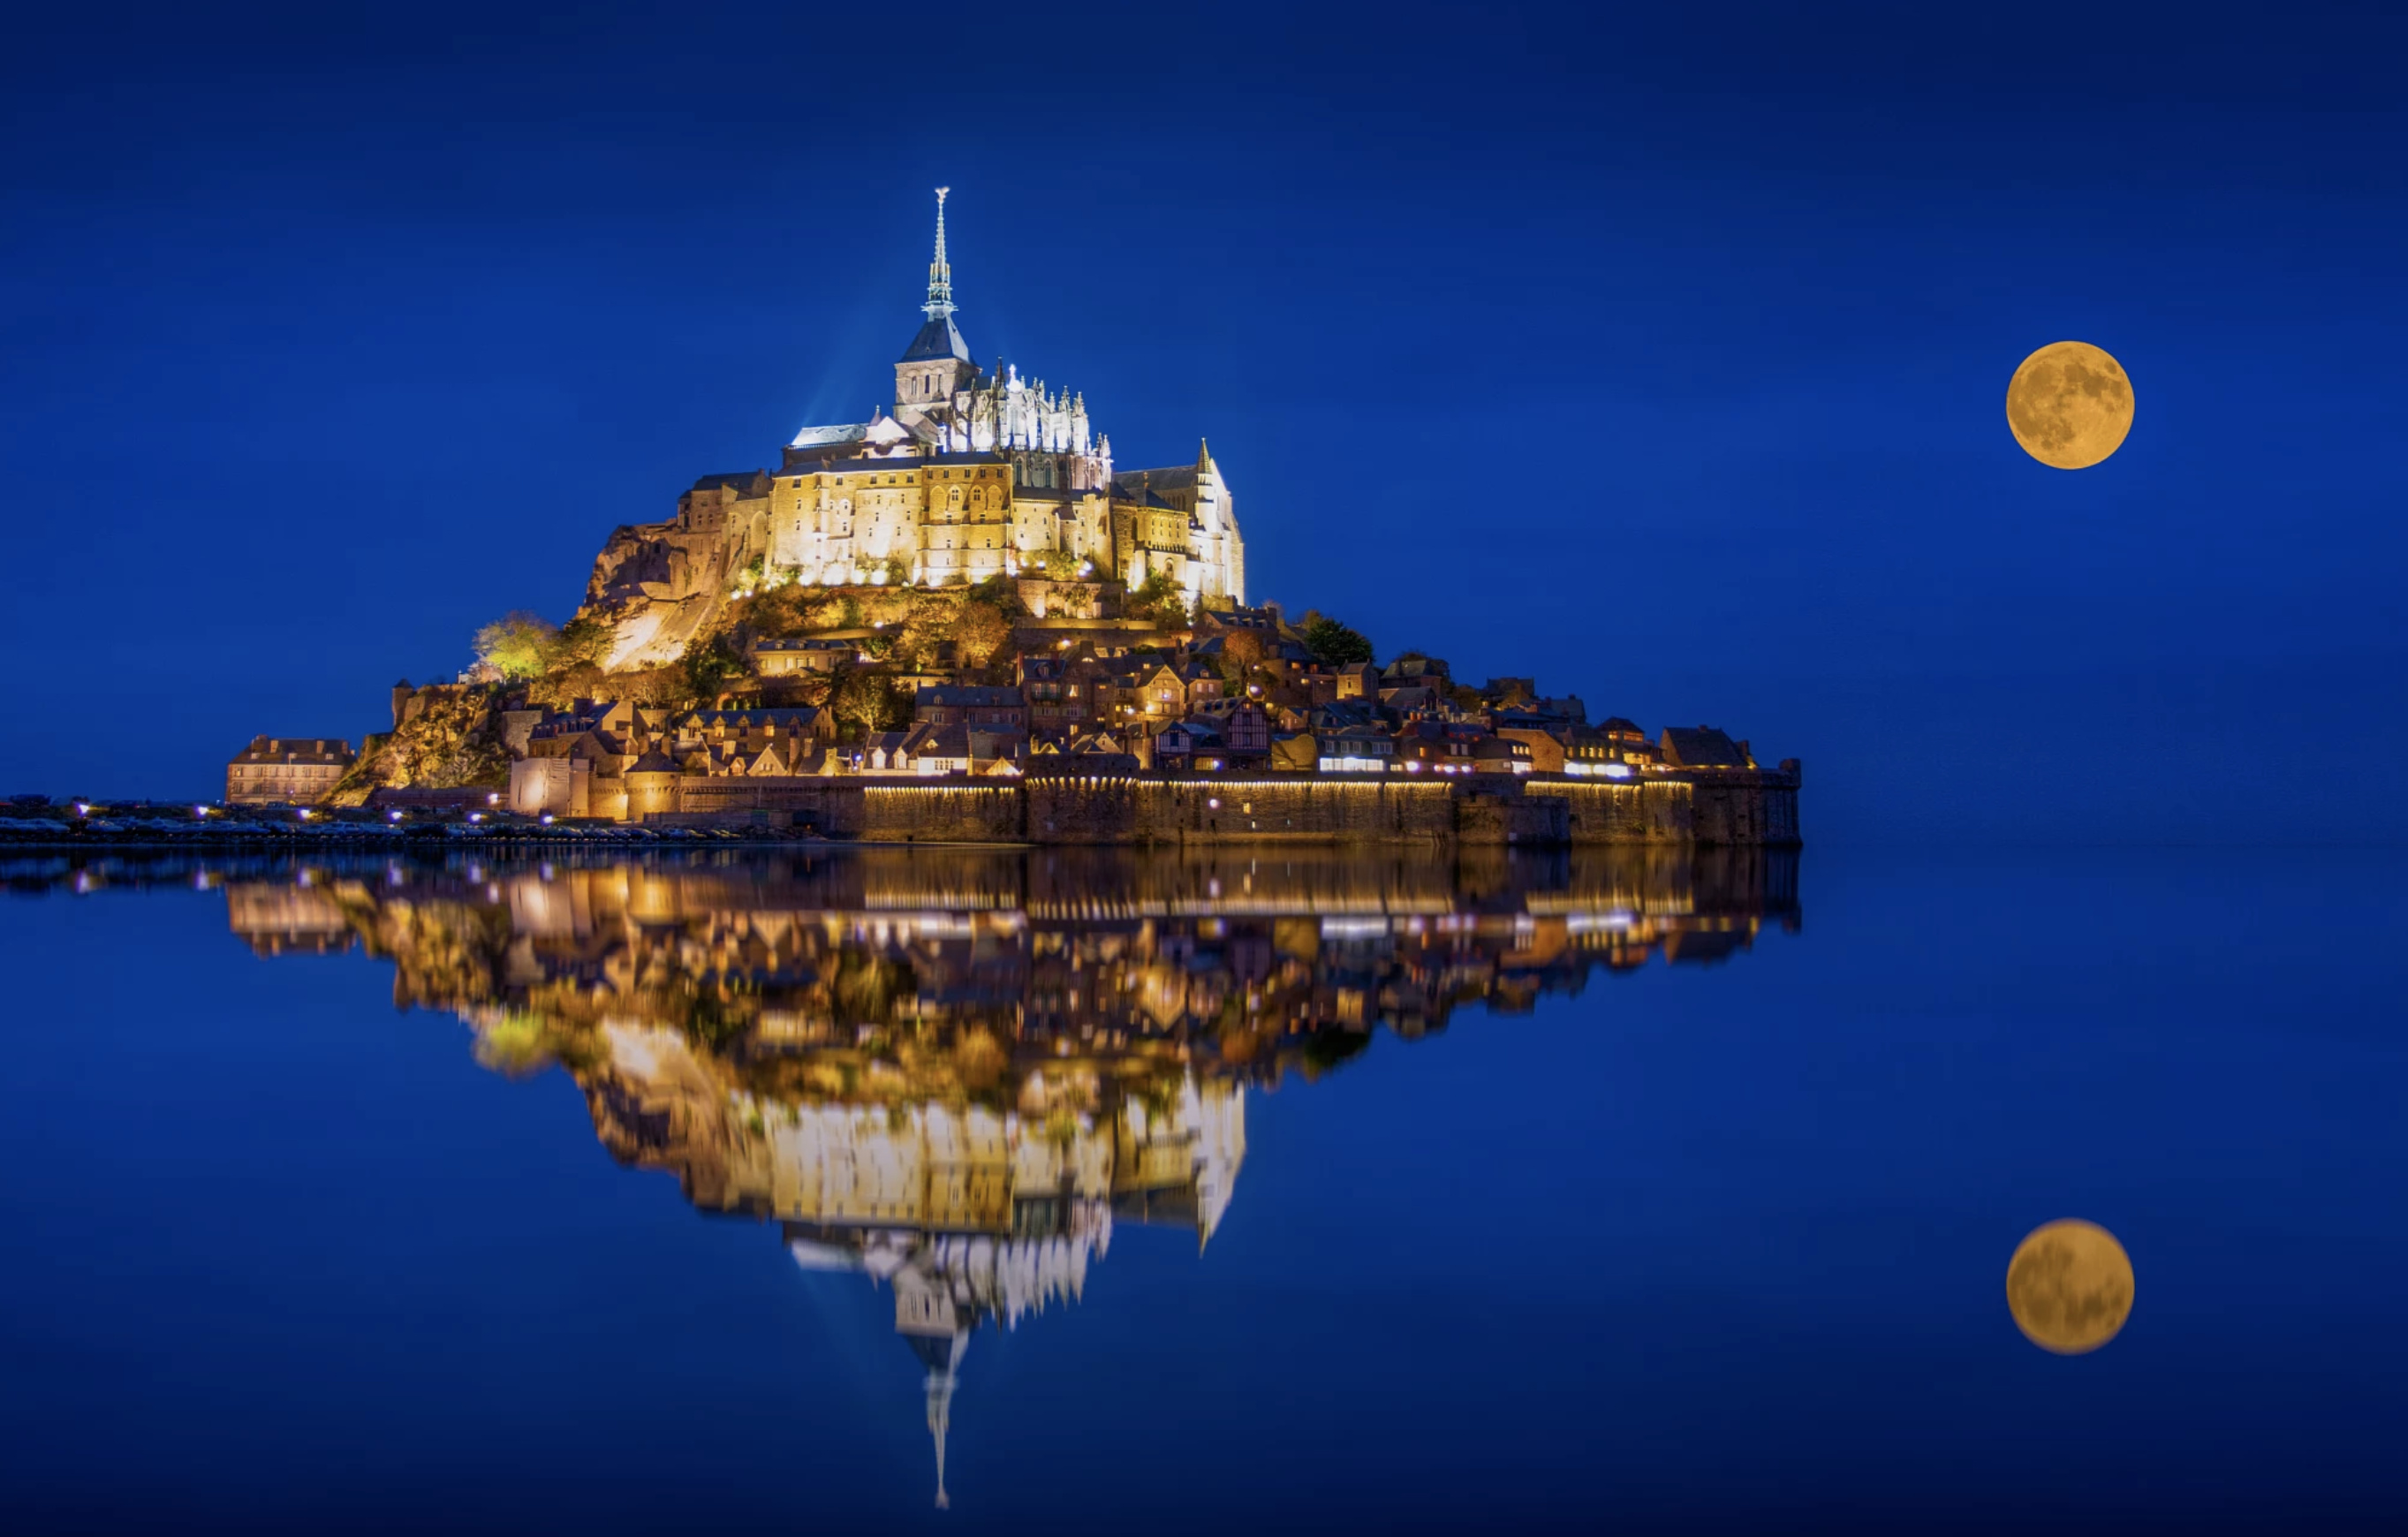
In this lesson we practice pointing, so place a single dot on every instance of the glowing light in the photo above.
(393, 816)
(547, 818)
(1617, 770)
(83, 808)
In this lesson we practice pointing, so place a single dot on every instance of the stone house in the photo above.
(1702, 747)
(1437, 747)
(287, 771)
(934, 749)
(1244, 725)
(784, 656)
(880, 753)
(1057, 696)
(1193, 744)
(1431, 670)
(1359, 747)
(970, 704)
(1494, 754)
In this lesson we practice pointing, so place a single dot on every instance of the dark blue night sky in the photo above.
(325, 339)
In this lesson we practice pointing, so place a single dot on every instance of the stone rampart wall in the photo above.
(1712, 810)
(1147, 809)
(1138, 809)
(1642, 811)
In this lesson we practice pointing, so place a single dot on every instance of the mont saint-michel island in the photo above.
(964, 620)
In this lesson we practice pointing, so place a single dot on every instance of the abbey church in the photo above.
(971, 473)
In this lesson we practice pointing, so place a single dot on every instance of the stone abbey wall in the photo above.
(1727, 811)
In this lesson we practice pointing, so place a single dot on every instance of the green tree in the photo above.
(979, 629)
(1333, 643)
(868, 700)
(581, 642)
(516, 645)
(709, 665)
(1160, 599)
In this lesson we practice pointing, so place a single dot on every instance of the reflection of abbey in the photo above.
(955, 1072)
(971, 473)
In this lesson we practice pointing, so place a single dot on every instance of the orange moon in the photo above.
(2070, 1287)
(2070, 405)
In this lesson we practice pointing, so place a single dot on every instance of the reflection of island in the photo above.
(954, 1070)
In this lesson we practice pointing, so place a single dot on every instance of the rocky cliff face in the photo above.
(445, 736)
(658, 585)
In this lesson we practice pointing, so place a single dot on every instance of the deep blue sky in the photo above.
(1659, 352)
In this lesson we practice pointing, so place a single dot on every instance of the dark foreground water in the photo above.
(1172, 1195)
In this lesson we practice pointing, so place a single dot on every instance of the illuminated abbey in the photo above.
(977, 472)
(970, 474)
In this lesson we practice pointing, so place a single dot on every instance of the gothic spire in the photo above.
(941, 271)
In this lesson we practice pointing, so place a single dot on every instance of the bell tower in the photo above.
(937, 362)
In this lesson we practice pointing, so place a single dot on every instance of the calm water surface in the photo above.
(1181, 1194)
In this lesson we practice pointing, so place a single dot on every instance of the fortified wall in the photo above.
(1725, 810)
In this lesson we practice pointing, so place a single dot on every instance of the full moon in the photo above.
(2070, 1287)
(2070, 405)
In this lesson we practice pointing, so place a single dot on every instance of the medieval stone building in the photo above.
(976, 472)
(971, 473)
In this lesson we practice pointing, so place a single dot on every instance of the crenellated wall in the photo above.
(1737, 810)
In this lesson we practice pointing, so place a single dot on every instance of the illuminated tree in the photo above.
(867, 700)
(979, 631)
(516, 645)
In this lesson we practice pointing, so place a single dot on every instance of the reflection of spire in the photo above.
(941, 271)
(942, 1375)
(941, 1414)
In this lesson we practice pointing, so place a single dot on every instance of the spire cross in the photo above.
(941, 271)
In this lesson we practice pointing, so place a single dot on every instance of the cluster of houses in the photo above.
(1238, 693)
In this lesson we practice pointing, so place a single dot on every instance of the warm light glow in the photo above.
(1617, 770)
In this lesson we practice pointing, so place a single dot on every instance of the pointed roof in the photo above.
(940, 338)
